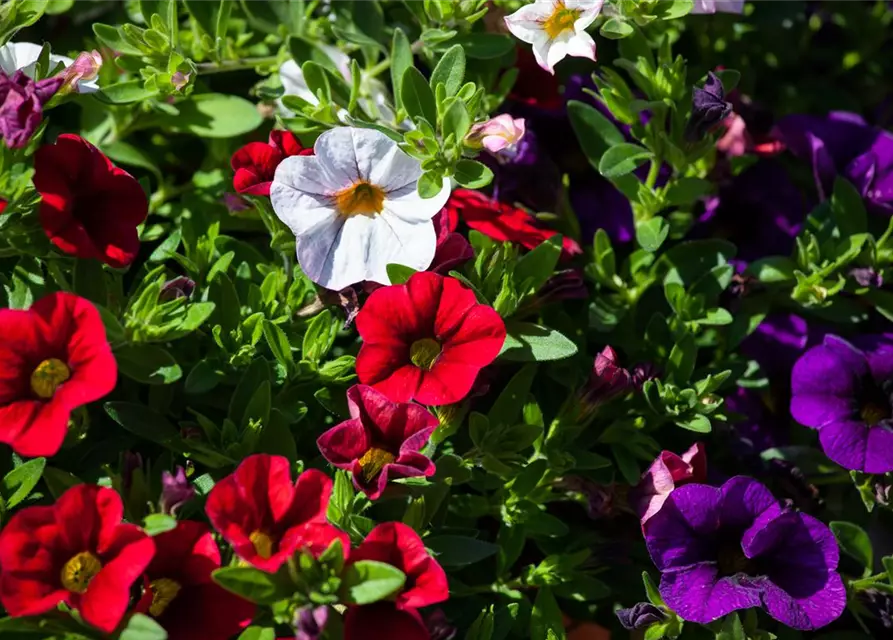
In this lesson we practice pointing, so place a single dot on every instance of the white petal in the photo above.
(541, 47)
(336, 153)
(581, 45)
(339, 58)
(396, 241)
(396, 170)
(316, 252)
(704, 6)
(558, 49)
(309, 174)
(590, 11)
(409, 206)
(7, 59)
(527, 22)
(371, 149)
(22, 55)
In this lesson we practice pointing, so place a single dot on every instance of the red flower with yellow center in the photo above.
(78, 552)
(382, 440)
(54, 357)
(266, 517)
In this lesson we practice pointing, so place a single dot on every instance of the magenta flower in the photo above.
(380, 442)
(737, 547)
(21, 105)
(844, 392)
(608, 379)
(668, 472)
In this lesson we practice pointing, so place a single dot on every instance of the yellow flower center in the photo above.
(77, 573)
(47, 377)
(373, 461)
(562, 19)
(872, 413)
(164, 590)
(362, 198)
(263, 544)
(424, 353)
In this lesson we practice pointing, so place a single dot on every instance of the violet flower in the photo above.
(867, 277)
(310, 622)
(21, 105)
(640, 616)
(846, 393)
(708, 108)
(843, 144)
(500, 135)
(736, 547)
(175, 491)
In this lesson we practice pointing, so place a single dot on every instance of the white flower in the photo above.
(722, 6)
(354, 208)
(24, 55)
(556, 28)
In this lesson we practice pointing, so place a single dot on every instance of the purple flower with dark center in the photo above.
(310, 622)
(843, 144)
(175, 491)
(21, 105)
(846, 393)
(640, 616)
(708, 108)
(737, 547)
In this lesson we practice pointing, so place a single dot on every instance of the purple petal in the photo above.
(833, 368)
(845, 443)
(743, 500)
(697, 594)
(679, 534)
(824, 604)
(879, 450)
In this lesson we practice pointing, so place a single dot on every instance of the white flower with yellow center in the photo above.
(354, 208)
(556, 28)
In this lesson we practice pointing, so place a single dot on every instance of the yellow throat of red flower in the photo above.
(80, 569)
(263, 544)
(47, 377)
(164, 590)
(373, 461)
(424, 353)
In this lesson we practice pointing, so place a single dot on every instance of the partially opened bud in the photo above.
(85, 67)
(499, 135)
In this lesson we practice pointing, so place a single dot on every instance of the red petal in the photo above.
(455, 303)
(384, 621)
(206, 611)
(287, 143)
(388, 317)
(187, 554)
(87, 516)
(344, 443)
(446, 383)
(311, 498)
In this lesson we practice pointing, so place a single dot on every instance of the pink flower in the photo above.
(666, 473)
(499, 134)
(85, 67)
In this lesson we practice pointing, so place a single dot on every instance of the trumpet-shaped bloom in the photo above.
(23, 56)
(76, 551)
(354, 208)
(426, 339)
(555, 29)
(499, 135)
(381, 441)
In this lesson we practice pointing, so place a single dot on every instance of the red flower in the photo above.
(503, 222)
(256, 162)
(90, 207)
(76, 551)
(380, 442)
(179, 592)
(3, 204)
(384, 621)
(54, 357)
(426, 339)
(453, 250)
(266, 518)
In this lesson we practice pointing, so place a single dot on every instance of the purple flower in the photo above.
(175, 491)
(21, 105)
(639, 616)
(846, 393)
(844, 144)
(708, 108)
(867, 277)
(737, 547)
(310, 622)
(777, 343)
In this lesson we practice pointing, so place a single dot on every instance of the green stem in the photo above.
(653, 172)
(205, 68)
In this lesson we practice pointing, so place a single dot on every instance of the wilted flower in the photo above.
(555, 29)
(708, 108)
(354, 208)
(640, 615)
(453, 250)
(382, 441)
(500, 135)
(666, 473)
(179, 287)
(879, 604)
(736, 547)
(235, 203)
(310, 622)
(21, 106)
(175, 491)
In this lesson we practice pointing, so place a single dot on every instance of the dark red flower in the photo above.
(54, 357)
(256, 162)
(426, 583)
(178, 590)
(535, 86)
(380, 442)
(453, 250)
(90, 207)
(77, 551)
(426, 339)
(503, 222)
(3, 204)
(266, 517)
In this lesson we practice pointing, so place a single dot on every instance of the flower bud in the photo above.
(175, 491)
(499, 135)
(708, 109)
(180, 287)
(85, 67)
(640, 615)
(310, 622)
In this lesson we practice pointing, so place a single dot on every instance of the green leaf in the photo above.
(536, 267)
(317, 79)
(258, 633)
(485, 46)
(594, 131)
(369, 581)
(651, 234)
(18, 483)
(215, 115)
(508, 406)
(142, 421)
(682, 359)
(401, 60)
(773, 270)
(398, 273)
(473, 174)
(148, 364)
(450, 71)
(456, 121)
(854, 542)
(696, 423)
(125, 153)
(124, 92)
(622, 159)
(430, 184)
(848, 208)
(729, 79)
(546, 622)
(203, 377)
(89, 280)
(253, 584)
(258, 409)
(528, 342)
(320, 336)
(717, 317)
(685, 191)
(459, 551)
(279, 345)
(615, 29)
(142, 627)
(418, 99)
(156, 523)
(732, 629)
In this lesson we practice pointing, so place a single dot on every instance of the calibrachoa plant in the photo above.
(446, 319)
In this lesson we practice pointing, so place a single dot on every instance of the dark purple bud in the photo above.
(310, 622)
(640, 616)
(130, 462)
(708, 108)
(180, 287)
(175, 491)
(567, 284)
(608, 379)
(643, 372)
(867, 277)
(21, 105)
(439, 627)
(879, 604)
